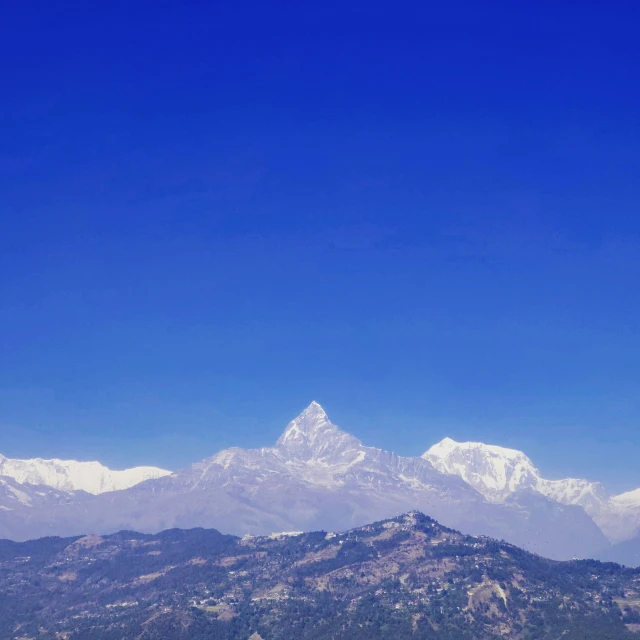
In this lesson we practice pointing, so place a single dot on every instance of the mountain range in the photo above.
(497, 472)
(317, 476)
(70, 475)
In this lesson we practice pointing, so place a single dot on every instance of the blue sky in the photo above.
(424, 217)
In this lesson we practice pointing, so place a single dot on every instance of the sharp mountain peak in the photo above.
(318, 475)
(313, 435)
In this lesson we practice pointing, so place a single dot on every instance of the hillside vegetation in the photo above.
(407, 577)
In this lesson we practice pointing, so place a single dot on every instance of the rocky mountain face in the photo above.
(69, 475)
(498, 473)
(317, 476)
(26, 510)
(405, 577)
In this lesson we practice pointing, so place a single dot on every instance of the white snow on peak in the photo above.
(628, 499)
(448, 446)
(71, 475)
(312, 420)
(497, 472)
(312, 436)
(621, 519)
(493, 471)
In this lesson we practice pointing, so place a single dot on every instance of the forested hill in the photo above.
(407, 577)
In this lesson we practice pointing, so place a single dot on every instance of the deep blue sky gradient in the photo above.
(424, 216)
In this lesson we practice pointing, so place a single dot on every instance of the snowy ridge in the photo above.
(70, 475)
(494, 471)
(497, 473)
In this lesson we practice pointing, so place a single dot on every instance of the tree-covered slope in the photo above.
(407, 577)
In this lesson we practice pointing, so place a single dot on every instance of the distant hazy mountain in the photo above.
(627, 553)
(27, 511)
(497, 473)
(319, 477)
(70, 475)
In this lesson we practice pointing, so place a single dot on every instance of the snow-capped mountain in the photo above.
(620, 517)
(497, 473)
(70, 475)
(312, 437)
(494, 471)
(317, 476)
